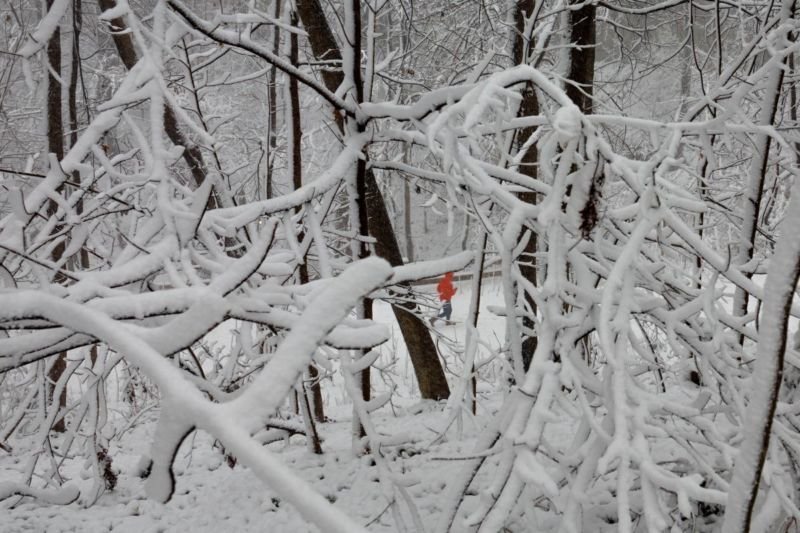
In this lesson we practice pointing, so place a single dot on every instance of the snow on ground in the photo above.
(211, 496)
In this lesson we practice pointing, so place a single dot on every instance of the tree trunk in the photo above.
(55, 146)
(779, 290)
(756, 428)
(357, 191)
(323, 44)
(272, 97)
(191, 153)
(528, 107)
(421, 349)
(754, 191)
(407, 221)
(72, 104)
(296, 162)
(581, 65)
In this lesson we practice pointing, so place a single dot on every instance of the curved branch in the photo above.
(214, 32)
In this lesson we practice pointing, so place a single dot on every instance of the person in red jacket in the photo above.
(446, 291)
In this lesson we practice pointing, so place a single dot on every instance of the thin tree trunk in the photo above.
(72, 101)
(755, 181)
(407, 221)
(581, 65)
(360, 220)
(72, 104)
(756, 428)
(779, 289)
(297, 181)
(312, 437)
(528, 166)
(55, 146)
(421, 349)
(687, 55)
(407, 205)
(474, 312)
(272, 96)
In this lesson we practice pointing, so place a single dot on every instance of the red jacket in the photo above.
(445, 288)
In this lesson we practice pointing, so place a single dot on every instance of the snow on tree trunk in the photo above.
(782, 276)
(757, 172)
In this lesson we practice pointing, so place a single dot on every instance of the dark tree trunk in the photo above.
(323, 44)
(421, 349)
(72, 105)
(191, 153)
(55, 145)
(55, 124)
(528, 107)
(580, 91)
(581, 65)
(407, 221)
(360, 184)
(754, 188)
(581, 76)
(272, 96)
(72, 102)
(297, 181)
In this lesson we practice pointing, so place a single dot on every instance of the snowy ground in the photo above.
(211, 496)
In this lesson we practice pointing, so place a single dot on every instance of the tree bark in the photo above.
(421, 349)
(323, 44)
(581, 65)
(55, 146)
(356, 189)
(528, 107)
(407, 221)
(191, 153)
(272, 96)
(756, 428)
(72, 105)
(754, 191)
(779, 290)
(297, 181)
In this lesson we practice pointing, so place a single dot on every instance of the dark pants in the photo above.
(446, 311)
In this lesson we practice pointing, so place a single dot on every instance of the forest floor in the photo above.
(211, 496)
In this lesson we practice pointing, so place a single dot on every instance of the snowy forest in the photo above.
(226, 225)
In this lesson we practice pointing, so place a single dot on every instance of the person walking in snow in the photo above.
(446, 291)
